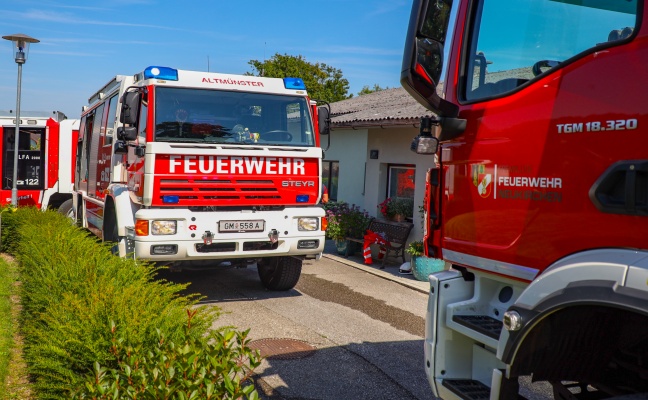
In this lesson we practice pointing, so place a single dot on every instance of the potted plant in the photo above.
(344, 221)
(397, 208)
(422, 266)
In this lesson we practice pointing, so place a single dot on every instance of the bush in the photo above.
(392, 206)
(346, 220)
(213, 367)
(77, 297)
(415, 248)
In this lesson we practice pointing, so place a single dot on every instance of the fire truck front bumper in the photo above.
(176, 235)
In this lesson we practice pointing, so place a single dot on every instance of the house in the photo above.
(369, 156)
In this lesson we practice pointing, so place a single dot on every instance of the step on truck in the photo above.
(537, 194)
(193, 168)
(46, 152)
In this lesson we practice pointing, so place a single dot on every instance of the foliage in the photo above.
(213, 367)
(9, 226)
(323, 82)
(73, 287)
(346, 220)
(367, 90)
(396, 205)
(415, 248)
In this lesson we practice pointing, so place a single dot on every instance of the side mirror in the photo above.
(423, 55)
(323, 120)
(127, 133)
(425, 145)
(425, 142)
(130, 108)
(121, 147)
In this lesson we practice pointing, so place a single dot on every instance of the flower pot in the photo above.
(341, 247)
(423, 266)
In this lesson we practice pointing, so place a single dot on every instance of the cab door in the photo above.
(553, 94)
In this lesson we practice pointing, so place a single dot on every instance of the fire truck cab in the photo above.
(181, 166)
(46, 146)
(539, 199)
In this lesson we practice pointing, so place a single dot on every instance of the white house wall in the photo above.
(352, 147)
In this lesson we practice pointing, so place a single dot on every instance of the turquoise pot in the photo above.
(422, 267)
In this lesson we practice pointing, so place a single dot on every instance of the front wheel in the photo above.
(279, 273)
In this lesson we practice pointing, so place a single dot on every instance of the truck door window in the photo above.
(514, 41)
(31, 158)
(110, 122)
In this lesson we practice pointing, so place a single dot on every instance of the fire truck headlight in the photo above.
(308, 223)
(164, 227)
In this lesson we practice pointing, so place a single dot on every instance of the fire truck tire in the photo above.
(67, 209)
(114, 238)
(279, 273)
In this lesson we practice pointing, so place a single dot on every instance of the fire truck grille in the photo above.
(212, 189)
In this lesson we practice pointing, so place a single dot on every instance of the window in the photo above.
(232, 117)
(515, 41)
(400, 183)
(330, 173)
(31, 158)
(110, 122)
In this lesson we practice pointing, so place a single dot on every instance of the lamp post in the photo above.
(21, 50)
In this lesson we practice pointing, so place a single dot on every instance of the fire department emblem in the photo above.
(482, 180)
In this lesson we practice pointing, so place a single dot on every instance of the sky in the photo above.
(84, 44)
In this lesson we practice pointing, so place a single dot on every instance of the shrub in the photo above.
(392, 206)
(346, 220)
(213, 367)
(77, 297)
(415, 248)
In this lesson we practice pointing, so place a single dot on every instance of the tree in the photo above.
(323, 82)
(366, 89)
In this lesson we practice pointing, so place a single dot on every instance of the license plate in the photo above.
(241, 226)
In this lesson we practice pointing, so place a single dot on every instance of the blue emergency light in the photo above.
(170, 199)
(166, 73)
(302, 198)
(294, 83)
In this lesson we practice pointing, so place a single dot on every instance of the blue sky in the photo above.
(83, 44)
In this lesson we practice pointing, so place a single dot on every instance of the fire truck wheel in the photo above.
(67, 209)
(112, 235)
(279, 273)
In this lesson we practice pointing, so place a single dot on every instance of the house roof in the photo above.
(389, 107)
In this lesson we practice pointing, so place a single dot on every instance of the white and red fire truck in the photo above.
(539, 200)
(179, 166)
(46, 151)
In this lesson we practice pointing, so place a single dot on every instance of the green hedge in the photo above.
(85, 310)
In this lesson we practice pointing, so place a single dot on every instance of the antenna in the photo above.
(207, 63)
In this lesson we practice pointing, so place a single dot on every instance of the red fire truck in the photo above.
(538, 198)
(46, 147)
(181, 166)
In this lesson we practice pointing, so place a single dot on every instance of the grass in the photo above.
(13, 381)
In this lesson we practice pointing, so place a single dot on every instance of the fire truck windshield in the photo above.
(228, 117)
(515, 41)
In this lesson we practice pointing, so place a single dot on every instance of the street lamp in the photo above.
(21, 49)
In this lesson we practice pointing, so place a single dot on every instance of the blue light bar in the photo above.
(294, 83)
(302, 198)
(169, 199)
(165, 73)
